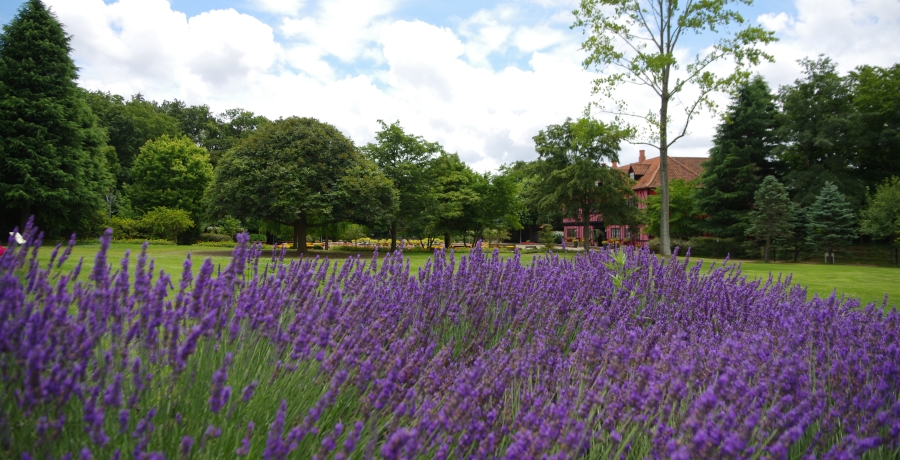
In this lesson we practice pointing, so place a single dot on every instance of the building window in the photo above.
(571, 232)
(627, 233)
(614, 233)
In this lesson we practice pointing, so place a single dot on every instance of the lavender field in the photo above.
(615, 354)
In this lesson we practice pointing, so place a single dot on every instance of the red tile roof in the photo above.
(647, 172)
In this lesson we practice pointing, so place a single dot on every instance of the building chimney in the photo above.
(615, 165)
(642, 157)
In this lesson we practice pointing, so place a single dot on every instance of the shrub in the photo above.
(215, 238)
(612, 352)
(257, 238)
(166, 223)
(124, 228)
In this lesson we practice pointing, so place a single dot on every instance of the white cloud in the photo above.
(281, 7)
(351, 63)
(346, 29)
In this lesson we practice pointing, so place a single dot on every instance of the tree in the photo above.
(498, 205)
(302, 173)
(684, 221)
(816, 126)
(831, 220)
(876, 104)
(172, 173)
(233, 126)
(772, 215)
(167, 223)
(196, 121)
(403, 158)
(881, 217)
(640, 38)
(575, 179)
(451, 205)
(130, 124)
(738, 161)
(51, 158)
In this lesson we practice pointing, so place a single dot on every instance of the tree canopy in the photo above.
(817, 125)
(832, 222)
(574, 178)
(172, 173)
(773, 215)
(738, 161)
(640, 40)
(404, 159)
(684, 220)
(51, 159)
(302, 173)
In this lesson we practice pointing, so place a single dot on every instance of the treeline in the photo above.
(832, 140)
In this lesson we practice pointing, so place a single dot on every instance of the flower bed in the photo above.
(609, 354)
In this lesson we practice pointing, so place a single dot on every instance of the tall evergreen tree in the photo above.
(773, 214)
(738, 160)
(832, 223)
(51, 162)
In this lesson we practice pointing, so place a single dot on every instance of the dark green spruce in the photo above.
(51, 152)
(738, 161)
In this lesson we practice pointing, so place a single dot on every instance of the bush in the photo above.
(258, 238)
(215, 238)
(124, 228)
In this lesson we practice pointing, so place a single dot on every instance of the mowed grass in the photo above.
(867, 283)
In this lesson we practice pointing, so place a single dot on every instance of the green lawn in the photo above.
(867, 283)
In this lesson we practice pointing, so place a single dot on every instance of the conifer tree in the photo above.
(51, 163)
(773, 214)
(832, 223)
(738, 160)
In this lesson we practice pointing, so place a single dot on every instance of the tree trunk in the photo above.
(588, 233)
(393, 235)
(664, 239)
(447, 241)
(325, 239)
(300, 234)
(766, 251)
(23, 217)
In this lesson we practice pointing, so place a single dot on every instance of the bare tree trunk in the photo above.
(393, 235)
(446, 241)
(588, 234)
(23, 217)
(766, 252)
(664, 239)
(300, 234)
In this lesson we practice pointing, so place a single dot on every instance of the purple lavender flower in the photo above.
(185, 447)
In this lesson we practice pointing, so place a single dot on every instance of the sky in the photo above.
(480, 77)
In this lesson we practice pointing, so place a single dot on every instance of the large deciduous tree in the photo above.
(832, 223)
(639, 40)
(404, 159)
(816, 126)
(773, 215)
(738, 160)
(172, 173)
(574, 178)
(881, 217)
(301, 173)
(876, 103)
(51, 159)
(451, 206)
(684, 220)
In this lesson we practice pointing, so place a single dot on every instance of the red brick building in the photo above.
(645, 173)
